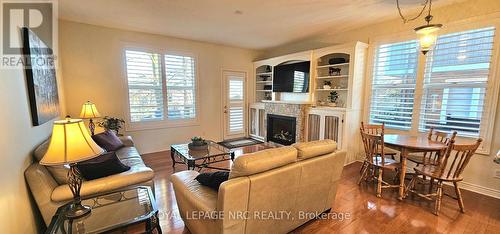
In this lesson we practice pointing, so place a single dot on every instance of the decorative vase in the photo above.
(332, 104)
(327, 87)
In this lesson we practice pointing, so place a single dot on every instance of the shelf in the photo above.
(264, 82)
(263, 90)
(264, 73)
(332, 77)
(332, 89)
(333, 65)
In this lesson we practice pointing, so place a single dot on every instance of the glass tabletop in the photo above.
(212, 150)
(109, 211)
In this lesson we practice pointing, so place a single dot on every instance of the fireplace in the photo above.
(281, 129)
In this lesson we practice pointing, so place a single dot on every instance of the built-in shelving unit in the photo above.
(263, 82)
(332, 68)
(342, 66)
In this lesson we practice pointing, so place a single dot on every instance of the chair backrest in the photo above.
(374, 146)
(374, 129)
(443, 137)
(456, 158)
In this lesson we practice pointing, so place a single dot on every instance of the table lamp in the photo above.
(70, 144)
(89, 111)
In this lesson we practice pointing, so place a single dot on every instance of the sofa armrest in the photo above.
(127, 141)
(41, 184)
(136, 175)
(194, 198)
(233, 200)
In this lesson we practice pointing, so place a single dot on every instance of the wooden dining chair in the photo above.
(376, 161)
(449, 169)
(432, 157)
(376, 129)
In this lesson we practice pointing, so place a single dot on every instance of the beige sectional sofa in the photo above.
(50, 190)
(271, 191)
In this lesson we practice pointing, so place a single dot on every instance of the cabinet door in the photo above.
(262, 123)
(253, 121)
(313, 128)
(333, 129)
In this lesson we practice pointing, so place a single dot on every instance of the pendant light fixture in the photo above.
(427, 34)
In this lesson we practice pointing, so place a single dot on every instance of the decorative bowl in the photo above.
(192, 146)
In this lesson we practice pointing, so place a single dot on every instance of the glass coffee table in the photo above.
(111, 212)
(199, 159)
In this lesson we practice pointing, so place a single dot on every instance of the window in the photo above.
(453, 85)
(180, 73)
(393, 84)
(145, 86)
(160, 87)
(455, 80)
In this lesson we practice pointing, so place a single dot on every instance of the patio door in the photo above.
(234, 104)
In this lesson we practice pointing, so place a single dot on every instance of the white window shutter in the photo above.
(181, 86)
(455, 82)
(393, 84)
(144, 86)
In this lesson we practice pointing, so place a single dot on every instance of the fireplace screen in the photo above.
(281, 129)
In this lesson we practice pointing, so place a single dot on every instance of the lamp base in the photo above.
(77, 210)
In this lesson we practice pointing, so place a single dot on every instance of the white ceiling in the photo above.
(255, 24)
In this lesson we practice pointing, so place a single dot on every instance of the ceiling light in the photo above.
(427, 34)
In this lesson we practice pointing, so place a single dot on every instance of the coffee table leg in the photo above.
(402, 174)
(172, 154)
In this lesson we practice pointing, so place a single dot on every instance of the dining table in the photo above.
(407, 144)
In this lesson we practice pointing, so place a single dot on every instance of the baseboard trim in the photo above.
(480, 189)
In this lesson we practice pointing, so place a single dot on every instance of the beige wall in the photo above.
(17, 141)
(93, 69)
(479, 174)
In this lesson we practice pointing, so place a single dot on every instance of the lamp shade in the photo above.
(70, 143)
(427, 36)
(89, 111)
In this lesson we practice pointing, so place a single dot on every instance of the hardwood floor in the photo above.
(367, 213)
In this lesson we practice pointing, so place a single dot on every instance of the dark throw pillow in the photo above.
(104, 165)
(108, 140)
(213, 179)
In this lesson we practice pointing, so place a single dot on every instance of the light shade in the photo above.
(427, 36)
(70, 143)
(89, 111)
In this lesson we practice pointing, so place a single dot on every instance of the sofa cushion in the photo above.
(213, 179)
(136, 175)
(265, 160)
(127, 153)
(108, 140)
(312, 149)
(104, 165)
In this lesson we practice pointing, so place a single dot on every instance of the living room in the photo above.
(272, 103)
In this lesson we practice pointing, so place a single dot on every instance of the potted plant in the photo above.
(112, 123)
(198, 143)
(327, 84)
(334, 96)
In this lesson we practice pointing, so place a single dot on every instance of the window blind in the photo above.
(236, 109)
(180, 80)
(393, 84)
(455, 82)
(144, 86)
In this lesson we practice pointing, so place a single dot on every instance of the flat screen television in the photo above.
(291, 77)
